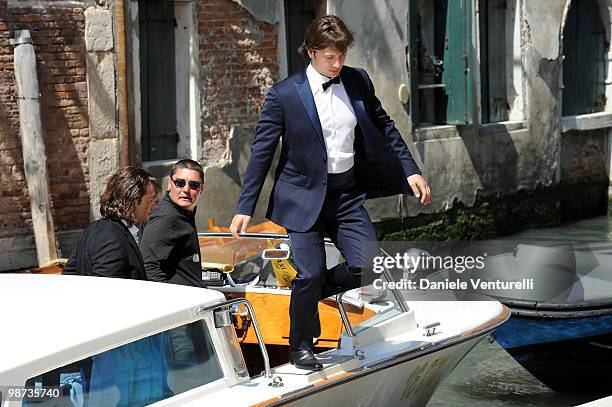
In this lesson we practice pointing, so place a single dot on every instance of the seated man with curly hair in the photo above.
(108, 247)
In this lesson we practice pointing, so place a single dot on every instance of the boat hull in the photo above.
(393, 362)
(403, 382)
(567, 355)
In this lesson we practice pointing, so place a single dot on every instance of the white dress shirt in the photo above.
(338, 121)
(133, 230)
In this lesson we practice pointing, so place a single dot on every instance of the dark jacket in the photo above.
(169, 245)
(106, 248)
(382, 159)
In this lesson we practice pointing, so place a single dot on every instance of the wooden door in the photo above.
(157, 79)
(298, 14)
(585, 49)
(493, 68)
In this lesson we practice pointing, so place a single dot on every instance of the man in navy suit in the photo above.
(339, 148)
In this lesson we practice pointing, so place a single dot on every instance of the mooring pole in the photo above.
(33, 146)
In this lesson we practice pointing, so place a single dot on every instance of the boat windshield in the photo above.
(256, 260)
(134, 374)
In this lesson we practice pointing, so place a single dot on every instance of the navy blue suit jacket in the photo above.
(382, 159)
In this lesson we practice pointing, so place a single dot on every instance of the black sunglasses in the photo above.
(180, 183)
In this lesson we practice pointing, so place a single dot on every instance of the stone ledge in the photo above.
(506, 126)
(591, 121)
(435, 133)
(446, 131)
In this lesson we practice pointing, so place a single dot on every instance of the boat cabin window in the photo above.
(244, 263)
(138, 373)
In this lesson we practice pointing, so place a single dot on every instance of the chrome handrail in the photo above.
(260, 341)
(345, 321)
(396, 293)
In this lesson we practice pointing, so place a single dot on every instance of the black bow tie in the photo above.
(335, 79)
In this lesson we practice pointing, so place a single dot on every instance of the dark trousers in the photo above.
(345, 221)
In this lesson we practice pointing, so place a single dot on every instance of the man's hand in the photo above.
(239, 225)
(419, 188)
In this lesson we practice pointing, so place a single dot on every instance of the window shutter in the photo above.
(458, 62)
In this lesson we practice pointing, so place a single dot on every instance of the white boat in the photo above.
(90, 341)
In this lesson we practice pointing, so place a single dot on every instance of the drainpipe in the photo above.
(124, 136)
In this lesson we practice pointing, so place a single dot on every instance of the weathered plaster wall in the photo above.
(262, 10)
(584, 178)
(381, 37)
(471, 164)
(462, 164)
(584, 155)
(218, 201)
(543, 63)
(465, 165)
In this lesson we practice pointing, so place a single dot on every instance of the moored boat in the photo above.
(105, 342)
(561, 325)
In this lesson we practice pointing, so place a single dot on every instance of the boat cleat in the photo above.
(277, 381)
(430, 329)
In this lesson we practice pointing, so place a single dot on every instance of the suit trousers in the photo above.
(345, 221)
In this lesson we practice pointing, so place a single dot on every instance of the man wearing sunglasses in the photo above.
(169, 241)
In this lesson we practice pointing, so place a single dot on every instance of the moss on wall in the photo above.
(491, 217)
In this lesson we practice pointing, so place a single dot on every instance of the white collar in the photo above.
(315, 79)
(133, 229)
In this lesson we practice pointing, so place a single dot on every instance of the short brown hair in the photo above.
(189, 165)
(325, 32)
(124, 190)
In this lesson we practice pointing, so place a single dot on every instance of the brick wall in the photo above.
(239, 64)
(58, 38)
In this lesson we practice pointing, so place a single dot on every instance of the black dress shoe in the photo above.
(304, 359)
